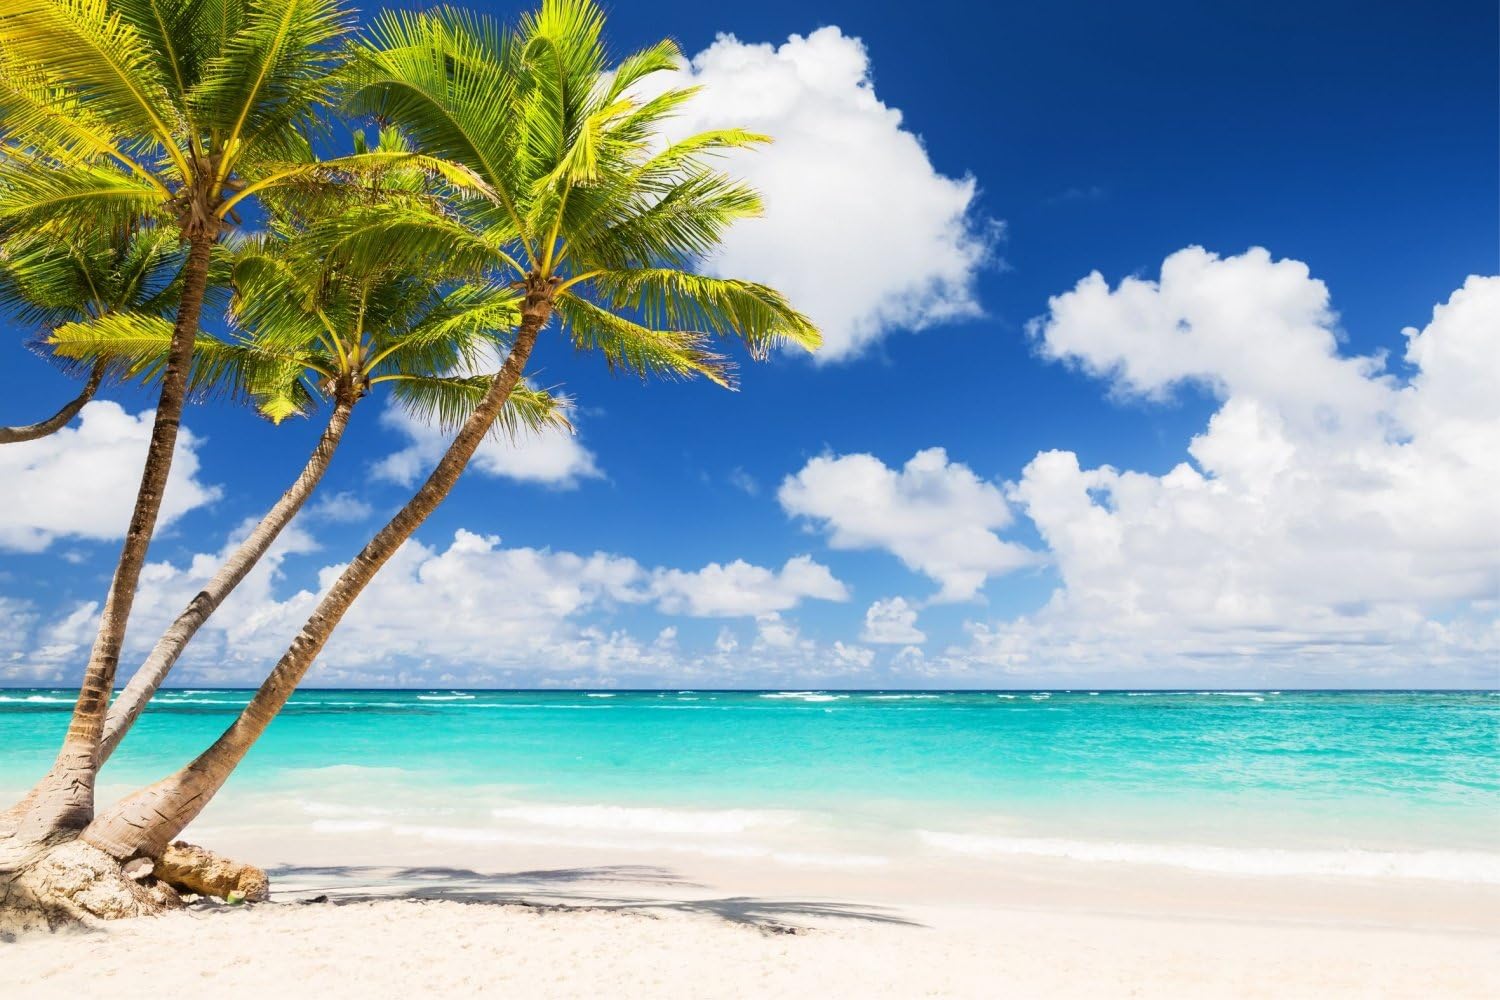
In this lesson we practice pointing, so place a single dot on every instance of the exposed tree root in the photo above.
(189, 868)
(73, 884)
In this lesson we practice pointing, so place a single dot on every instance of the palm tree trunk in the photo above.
(58, 420)
(143, 824)
(143, 684)
(65, 798)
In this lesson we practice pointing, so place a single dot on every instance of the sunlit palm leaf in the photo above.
(88, 45)
(134, 347)
(638, 349)
(36, 195)
(447, 401)
(591, 197)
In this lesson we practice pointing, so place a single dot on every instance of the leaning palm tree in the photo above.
(49, 281)
(594, 220)
(315, 328)
(114, 111)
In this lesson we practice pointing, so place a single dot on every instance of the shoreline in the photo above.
(814, 844)
(559, 923)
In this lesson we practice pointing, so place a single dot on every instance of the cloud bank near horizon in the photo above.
(1338, 520)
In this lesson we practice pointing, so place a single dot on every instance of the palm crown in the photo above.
(116, 109)
(585, 201)
(49, 279)
(309, 323)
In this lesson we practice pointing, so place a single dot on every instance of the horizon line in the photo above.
(839, 690)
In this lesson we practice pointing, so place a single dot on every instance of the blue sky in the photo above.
(938, 183)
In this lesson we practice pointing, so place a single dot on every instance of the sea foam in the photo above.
(805, 696)
(646, 820)
(1442, 865)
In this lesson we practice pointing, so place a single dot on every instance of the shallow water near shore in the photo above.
(1362, 784)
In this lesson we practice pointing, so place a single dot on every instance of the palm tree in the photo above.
(49, 281)
(316, 328)
(593, 218)
(114, 111)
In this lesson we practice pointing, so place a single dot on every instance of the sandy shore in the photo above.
(605, 928)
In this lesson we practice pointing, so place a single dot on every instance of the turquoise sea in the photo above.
(1397, 784)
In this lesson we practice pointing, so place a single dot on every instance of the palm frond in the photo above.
(664, 56)
(167, 29)
(89, 46)
(638, 349)
(680, 228)
(273, 70)
(35, 195)
(134, 347)
(56, 279)
(48, 119)
(371, 176)
(406, 237)
(759, 315)
(456, 331)
(447, 401)
(445, 76)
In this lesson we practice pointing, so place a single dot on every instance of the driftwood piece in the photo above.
(189, 868)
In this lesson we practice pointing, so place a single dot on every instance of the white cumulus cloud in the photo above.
(552, 457)
(936, 516)
(861, 231)
(740, 589)
(81, 482)
(892, 621)
(475, 610)
(340, 508)
(1331, 513)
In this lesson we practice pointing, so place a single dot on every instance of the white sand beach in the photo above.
(573, 924)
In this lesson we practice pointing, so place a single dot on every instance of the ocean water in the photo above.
(1356, 784)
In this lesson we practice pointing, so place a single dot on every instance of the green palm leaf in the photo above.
(448, 401)
(134, 347)
(634, 348)
(673, 298)
(88, 45)
(36, 195)
(274, 70)
(591, 201)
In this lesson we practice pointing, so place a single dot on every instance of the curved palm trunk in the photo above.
(143, 684)
(143, 824)
(65, 797)
(58, 420)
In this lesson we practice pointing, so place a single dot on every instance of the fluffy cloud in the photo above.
(898, 243)
(740, 589)
(475, 612)
(775, 633)
(892, 621)
(476, 600)
(552, 457)
(1245, 327)
(340, 508)
(936, 516)
(17, 619)
(82, 481)
(248, 622)
(1328, 513)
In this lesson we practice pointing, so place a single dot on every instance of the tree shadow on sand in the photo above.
(562, 889)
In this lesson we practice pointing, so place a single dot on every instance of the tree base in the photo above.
(77, 885)
(189, 868)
